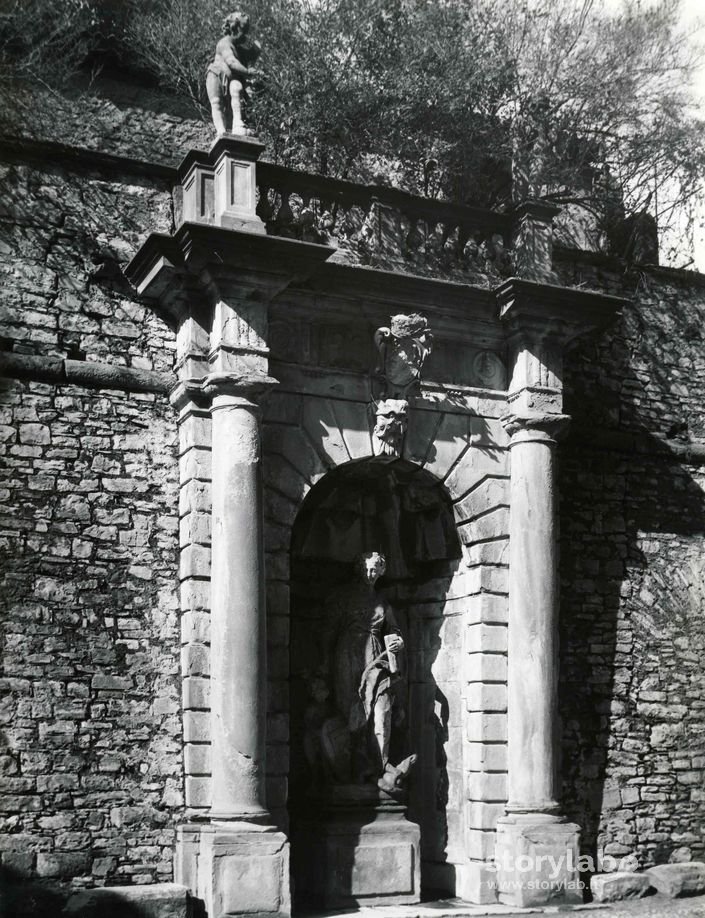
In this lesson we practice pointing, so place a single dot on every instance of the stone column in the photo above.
(238, 641)
(243, 860)
(533, 613)
(537, 850)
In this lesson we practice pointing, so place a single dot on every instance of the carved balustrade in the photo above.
(384, 227)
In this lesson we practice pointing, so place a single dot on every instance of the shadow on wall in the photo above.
(630, 518)
(23, 898)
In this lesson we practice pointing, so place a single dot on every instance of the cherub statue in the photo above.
(231, 70)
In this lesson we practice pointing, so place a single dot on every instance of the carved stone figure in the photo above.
(390, 426)
(402, 348)
(363, 643)
(231, 70)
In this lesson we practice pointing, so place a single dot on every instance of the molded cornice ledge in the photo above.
(165, 268)
(542, 322)
(565, 313)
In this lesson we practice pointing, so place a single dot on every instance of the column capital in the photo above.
(203, 390)
(535, 427)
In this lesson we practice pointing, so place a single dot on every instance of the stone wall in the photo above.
(633, 632)
(91, 734)
(91, 753)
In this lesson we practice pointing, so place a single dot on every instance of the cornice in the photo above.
(563, 312)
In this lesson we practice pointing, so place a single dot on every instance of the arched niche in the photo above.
(404, 512)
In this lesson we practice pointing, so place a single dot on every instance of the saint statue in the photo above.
(362, 668)
(231, 70)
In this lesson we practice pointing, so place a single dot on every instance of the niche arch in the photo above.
(404, 511)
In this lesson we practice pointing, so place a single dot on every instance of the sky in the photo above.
(693, 15)
(692, 11)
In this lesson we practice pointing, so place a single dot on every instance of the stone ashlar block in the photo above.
(492, 525)
(481, 815)
(675, 880)
(196, 693)
(480, 844)
(195, 527)
(194, 561)
(194, 431)
(323, 428)
(195, 464)
(293, 444)
(481, 638)
(480, 696)
(487, 608)
(354, 421)
(473, 467)
(475, 881)
(612, 887)
(451, 440)
(485, 667)
(195, 595)
(194, 497)
(197, 726)
(195, 660)
(195, 627)
(495, 552)
(159, 900)
(482, 727)
(486, 756)
(197, 759)
(486, 787)
(197, 791)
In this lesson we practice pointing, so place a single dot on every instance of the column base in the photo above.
(537, 860)
(236, 868)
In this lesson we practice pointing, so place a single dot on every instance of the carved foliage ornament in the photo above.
(402, 349)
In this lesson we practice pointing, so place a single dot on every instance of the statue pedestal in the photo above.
(354, 846)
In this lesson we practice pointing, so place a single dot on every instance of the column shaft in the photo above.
(238, 639)
(533, 608)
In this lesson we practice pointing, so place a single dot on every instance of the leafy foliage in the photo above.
(466, 99)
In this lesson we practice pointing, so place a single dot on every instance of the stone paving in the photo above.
(655, 906)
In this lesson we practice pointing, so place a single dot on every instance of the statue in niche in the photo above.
(402, 348)
(231, 70)
(348, 740)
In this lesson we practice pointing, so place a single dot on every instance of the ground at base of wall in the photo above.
(655, 906)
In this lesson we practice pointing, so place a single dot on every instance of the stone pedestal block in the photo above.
(537, 861)
(243, 869)
(219, 187)
(356, 851)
